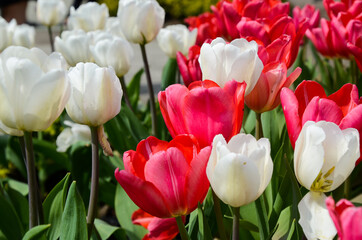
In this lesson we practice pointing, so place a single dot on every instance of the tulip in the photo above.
(308, 12)
(5, 33)
(174, 38)
(166, 179)
(33, 88)
(314, 218)
(88, 17)
(113, 26)
(222, 62)
(309, 102)
(72, 134)
(95, 94)
(159, 228)
(203, 109)
(10, 131)
(113, 52)
(74, 46)
(141, 20)
(51, 12)
(189, 67)
(346, 218)
(325, 155)
(23, 35)
(240, 170)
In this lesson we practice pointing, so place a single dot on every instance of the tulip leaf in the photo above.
(293, 232)
(19, 186)
(10, 225)
(134, 88)
(124, 208)
(284, 223)
(192, 223)
(49, 150)
(249, 125)
(21, 206)
(74, 225)
(169, 73)
(204, 229)
(37, 233)
(4, 139)
(13, 155)
(106, 231)
(262, 215)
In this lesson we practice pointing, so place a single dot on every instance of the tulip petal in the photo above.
(306, 91)
(169, 167)
(151, 145)
(144, 194)
(322, 109)
(346, 97)
(314, 217)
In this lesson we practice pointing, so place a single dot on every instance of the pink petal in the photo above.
(346, 97)
(322, 109)
(150, 146)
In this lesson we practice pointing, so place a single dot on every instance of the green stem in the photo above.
(258, 127)
(347, 188)
(236, 218)
(150, 89)
(92, 207)
(34, 211)
(219, 218)
(50, 32)
(182, 229)
(125, 93)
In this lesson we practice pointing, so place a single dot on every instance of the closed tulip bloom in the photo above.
(204, 109)
(166, 179)
(5, 34)
(141, 20)
(51, 12)
(346, 218)
(24, 35)
(240, 170)
(325, 155)
(174, 38)
(222, 62)
(89, 17)
(95, 94)
(33, 88)
(74, 46)
(189, 67)
(113, 26)
(114, 52)
(73, 133)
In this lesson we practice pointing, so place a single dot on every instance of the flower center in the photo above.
(321, 184)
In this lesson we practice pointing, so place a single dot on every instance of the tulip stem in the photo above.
(182, 229)
(258, 127)
(236, 218)
(50, 32)
(92, 207)
(150, 89)
(34, 197)
(262, 218)
(219, 218)
(125, 93)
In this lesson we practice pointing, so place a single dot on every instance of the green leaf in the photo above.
(13, 155)
(37, 233)
(134, 88)
(204, 229)
(104, 229)
(21, 206)
(74, 225)
(19, 186)
(169, 73)
(49, 151)
(284, 223)
(249, 125)
(10, 225)
(263, 223)
(293, 232)
(124, 208)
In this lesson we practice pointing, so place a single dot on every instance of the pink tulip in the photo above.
(308, 12)
(159, 228)
(203, 109)
(309, 102)
(190, 67)
(166, 179)
(347, 219)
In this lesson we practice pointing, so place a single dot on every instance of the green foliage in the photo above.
(185, 8)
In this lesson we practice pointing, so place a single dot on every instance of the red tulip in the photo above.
(308, 12)
(203, 109)
(159, 228)
(166, 179)
(310, 103)
(190, 67)
(346, 218)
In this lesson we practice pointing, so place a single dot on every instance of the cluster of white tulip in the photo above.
(51, 12)
(13, 34)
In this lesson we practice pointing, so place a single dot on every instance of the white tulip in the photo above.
(51, 12)
(115, 52)
(314, 217)
(238, 60)
(74, 46)
(96, 94)
(174, 38)
(5, 34)
(141, 20)
(113, 26)
(10, 131)
(89, 17)
(239, 171)
(24, 35)
(33, 88)
(325, 155)
(73, 133)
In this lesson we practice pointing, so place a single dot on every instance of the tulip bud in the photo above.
(141, 20)
(24, 35)
(33, 88)
(5, 35)
(222, 62)
(51, 12)
(88, 17)
(239, 171)
(174, 38)
(72, 134)
(96, 94)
